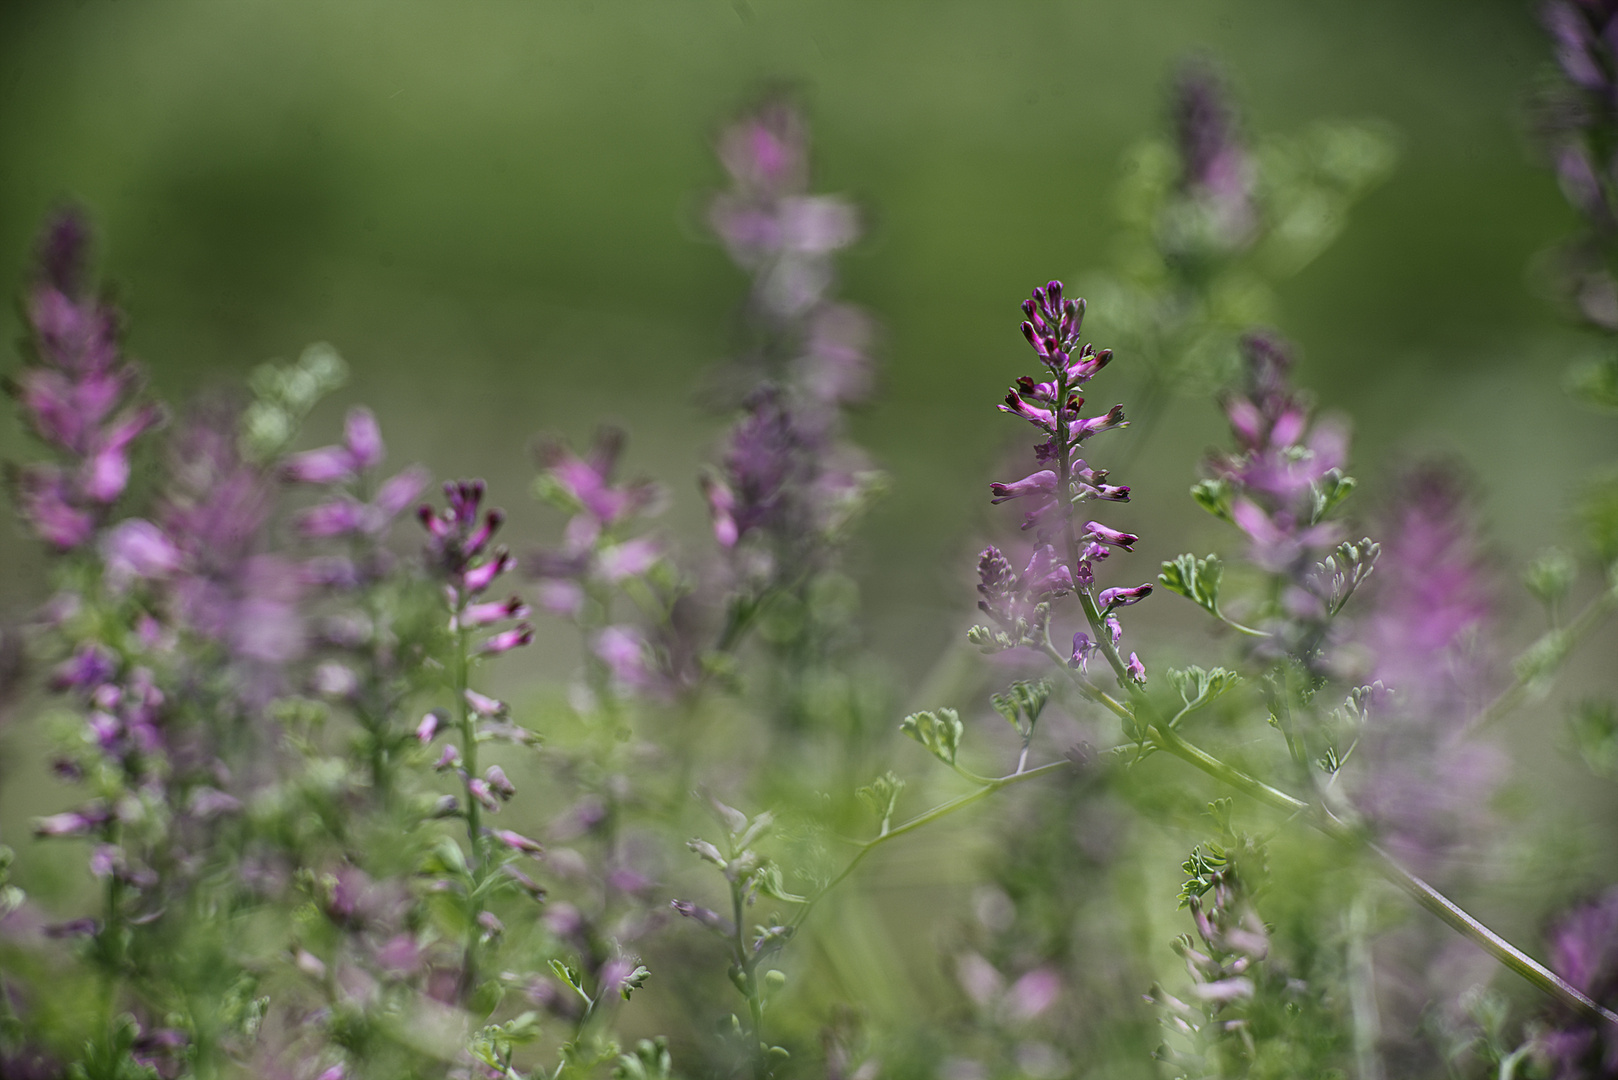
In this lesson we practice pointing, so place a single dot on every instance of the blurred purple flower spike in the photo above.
(1584, 950)
(1215, 168)
(69, 393)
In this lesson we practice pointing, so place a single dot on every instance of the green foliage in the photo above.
(939, 730)
(1195, 579)
(1550, 576)
(1198, 688)
(1328, 492)
(1598, 511)
(283, 394)
(111, 1056)
(1202, 869)
(1022, 703)
(1595, 382)
(1593, 724)
(494, 1044)
(881, 796)
(650, 1060)
(1345, 570)
(1214, 496)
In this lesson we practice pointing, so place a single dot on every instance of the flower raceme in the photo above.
(71, 394)
(1065, 553)
(458, 548)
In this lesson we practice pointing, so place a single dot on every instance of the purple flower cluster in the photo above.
(787, 478)
(1425, 783)
(342, 469)
(597, 554)
(1278, 488)
(78, 396)
(1279, 463)
(1064, 555)
(458, 551)
(1584, 951)
(770, 224)
(1216, 171)
(1580, 122)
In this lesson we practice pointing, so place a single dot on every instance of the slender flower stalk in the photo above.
(459, 551)
(1065, 553)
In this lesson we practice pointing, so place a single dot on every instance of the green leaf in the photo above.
(1195, 579)
(1327, 492)
(1596, 383)
(881, 795)
(1214, 496)
(572, 977)
(1022, 703)
(938, 730)
(1201, 869)
(768, 879)
(1598, 511)
(989, 640)
(1594, 725)
(1198, 687)
(445, 858)
(634, 980)
(1344, 571)
(650, 1061)
(1550, 576)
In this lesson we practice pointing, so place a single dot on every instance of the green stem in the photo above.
(747, 969)
(960, 802)
(474, 809)
(1424, 894)
(1583, 624)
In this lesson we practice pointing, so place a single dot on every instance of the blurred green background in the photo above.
(493, 210)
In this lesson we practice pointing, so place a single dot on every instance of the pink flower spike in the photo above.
(518, 636)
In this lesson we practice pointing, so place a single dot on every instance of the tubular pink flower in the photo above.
(520, 635)
(328, 465)
(1094, 530)
(1039, 483)
(1117, 598)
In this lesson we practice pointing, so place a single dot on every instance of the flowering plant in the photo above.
(327, 823)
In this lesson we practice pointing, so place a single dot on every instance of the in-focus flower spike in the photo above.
(458, 549)
(1065, 554)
